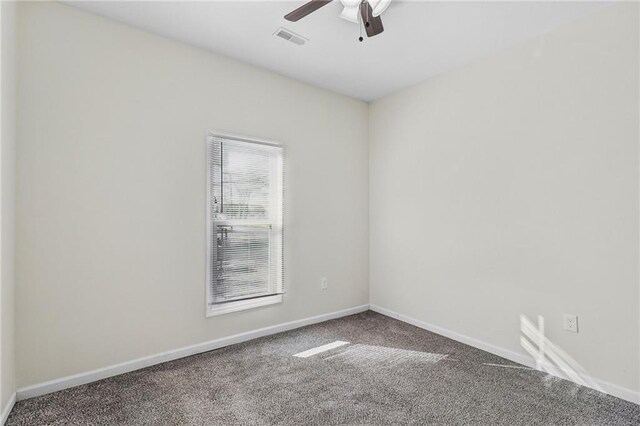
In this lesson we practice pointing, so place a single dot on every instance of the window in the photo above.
(244, 220)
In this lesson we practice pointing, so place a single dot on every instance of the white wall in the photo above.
(111, 191)
(510, 187)
(7, 200)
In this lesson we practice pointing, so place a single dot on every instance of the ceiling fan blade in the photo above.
(372, 24)
(306, 9)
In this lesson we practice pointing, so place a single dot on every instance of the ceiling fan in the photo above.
(366, 11)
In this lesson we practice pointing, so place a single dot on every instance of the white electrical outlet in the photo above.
(570, 322)
(323, 283)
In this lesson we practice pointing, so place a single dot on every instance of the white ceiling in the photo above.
(421, 39)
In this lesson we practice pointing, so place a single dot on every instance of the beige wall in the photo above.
(111, 191)
(510, 187)
(7, 201)
(507, 187)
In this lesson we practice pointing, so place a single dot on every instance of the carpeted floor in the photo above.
(389, 373)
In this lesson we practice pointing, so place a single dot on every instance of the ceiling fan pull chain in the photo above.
(366, 23)
(360, 39)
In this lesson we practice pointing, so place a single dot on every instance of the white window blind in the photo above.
(245, 214)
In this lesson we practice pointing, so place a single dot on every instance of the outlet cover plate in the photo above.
(323, 284)
(570, 322)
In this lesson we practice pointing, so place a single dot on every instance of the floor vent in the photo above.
(290, 36)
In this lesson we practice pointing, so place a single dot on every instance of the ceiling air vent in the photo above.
(290, 36)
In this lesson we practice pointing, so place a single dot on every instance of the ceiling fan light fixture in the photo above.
(379, 6)
(350, 13)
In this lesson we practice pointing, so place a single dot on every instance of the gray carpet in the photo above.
(390, 373)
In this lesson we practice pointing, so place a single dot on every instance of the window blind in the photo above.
(246, 215)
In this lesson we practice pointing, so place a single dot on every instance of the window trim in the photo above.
(241, 305)
(237, 305)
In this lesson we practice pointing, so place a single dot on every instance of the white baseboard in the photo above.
(606, 387)
(7, 409)
(136, 364)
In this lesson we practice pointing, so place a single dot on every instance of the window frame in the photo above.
(235, 305)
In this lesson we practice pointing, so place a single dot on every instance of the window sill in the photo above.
(241, 305)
